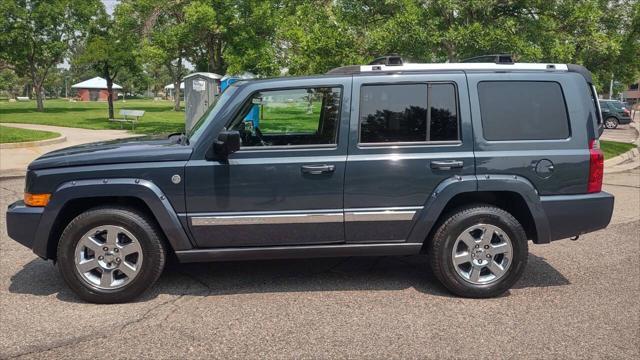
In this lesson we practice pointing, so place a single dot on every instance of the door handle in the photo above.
(447, 164)
(318, 169)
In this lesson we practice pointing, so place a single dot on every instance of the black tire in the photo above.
(148, 236)
(441, 247)
(611, 123)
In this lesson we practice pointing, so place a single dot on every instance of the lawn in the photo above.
(13, 135)
(158, 118)
(614, 148)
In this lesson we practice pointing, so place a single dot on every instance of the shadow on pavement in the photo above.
(41, 278)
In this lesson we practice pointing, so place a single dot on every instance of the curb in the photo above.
(60, 139)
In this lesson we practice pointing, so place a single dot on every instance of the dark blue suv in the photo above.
(464, 163)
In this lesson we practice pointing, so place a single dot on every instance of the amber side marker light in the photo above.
(39, 200)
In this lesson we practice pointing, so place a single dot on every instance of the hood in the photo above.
(131, 150)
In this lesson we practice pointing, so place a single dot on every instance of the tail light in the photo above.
(596, 167)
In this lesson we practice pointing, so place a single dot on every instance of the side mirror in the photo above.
(228, 142)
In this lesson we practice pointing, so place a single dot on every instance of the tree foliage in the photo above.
(36, 35)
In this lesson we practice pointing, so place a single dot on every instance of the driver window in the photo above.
(305, 116)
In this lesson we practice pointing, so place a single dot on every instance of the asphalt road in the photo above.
(575, 300)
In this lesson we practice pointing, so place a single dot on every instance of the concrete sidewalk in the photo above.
(13, 162)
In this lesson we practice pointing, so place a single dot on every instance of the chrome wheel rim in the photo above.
(482, 254)
(108, 257)
(610, 124)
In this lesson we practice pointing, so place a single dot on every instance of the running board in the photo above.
(301, 251)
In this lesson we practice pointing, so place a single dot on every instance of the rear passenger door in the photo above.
(408, 133)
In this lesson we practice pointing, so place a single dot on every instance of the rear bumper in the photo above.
(22, 222)
(571, 215)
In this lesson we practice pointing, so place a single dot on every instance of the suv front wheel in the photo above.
(479, 251)
(110, 254)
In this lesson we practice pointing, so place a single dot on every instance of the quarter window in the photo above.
(408, 113)
(305, 116)
(523, 110)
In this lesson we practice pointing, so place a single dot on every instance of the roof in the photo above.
(170, 86)
(95, 83)
(465, 66)
(205, 74)
(353, 69)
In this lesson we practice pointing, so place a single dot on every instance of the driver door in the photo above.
(285, 184)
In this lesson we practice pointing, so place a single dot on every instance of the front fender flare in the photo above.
(144, 190)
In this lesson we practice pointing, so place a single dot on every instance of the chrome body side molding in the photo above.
(316, 217)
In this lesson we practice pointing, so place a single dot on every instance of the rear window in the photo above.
(408, 113)
(523, 110)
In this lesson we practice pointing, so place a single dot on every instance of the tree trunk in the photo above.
(176, 94)
(39, 97)
(110, 95)
(177, 75)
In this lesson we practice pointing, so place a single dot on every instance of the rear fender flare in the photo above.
(445, 191)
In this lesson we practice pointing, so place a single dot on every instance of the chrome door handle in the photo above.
(318, 169)
(447, 164)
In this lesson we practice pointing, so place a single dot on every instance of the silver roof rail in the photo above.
(464, 66)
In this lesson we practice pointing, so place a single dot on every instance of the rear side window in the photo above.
(523, 110)
(409, 113)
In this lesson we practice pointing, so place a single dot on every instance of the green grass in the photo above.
(158, 118)
(14, 135)
(292, 118)
(614, 148)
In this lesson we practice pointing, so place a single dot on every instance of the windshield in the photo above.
(210, 113)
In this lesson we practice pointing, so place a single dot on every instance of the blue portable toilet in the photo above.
(254, 114)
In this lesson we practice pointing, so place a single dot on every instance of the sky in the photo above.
(110, 4)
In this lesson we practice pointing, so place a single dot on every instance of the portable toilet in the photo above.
(254, 114)
(200, 92)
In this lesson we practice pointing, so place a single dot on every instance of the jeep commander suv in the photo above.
(463, 162)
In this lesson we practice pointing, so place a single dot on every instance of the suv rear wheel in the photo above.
(479, 251)
(611, 123)
(110, 254)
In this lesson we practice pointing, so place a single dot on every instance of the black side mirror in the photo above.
(228, 142)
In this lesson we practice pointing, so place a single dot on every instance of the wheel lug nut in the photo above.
(117, 260)
(488, 255)
(100, 257)
(477, 246)
(486, 246)
(116, 250)
(105, 248)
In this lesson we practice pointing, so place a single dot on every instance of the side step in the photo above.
(301, 251)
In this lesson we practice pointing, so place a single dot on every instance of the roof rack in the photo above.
(497, 58)
(407, 67)
(389, 60)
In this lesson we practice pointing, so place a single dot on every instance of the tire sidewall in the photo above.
(132, 222)
(512, 229)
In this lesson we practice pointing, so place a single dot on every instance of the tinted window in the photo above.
(522, 110)
(444, 113)
(408, 113)
(307, 116)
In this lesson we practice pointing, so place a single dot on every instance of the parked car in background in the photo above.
(614, 113)
(465, 163)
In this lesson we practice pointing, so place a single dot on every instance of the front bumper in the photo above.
(22, 222)
(571, 215)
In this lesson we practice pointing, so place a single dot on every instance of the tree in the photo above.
(166, 39)
(110, 47)
(37, 34)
